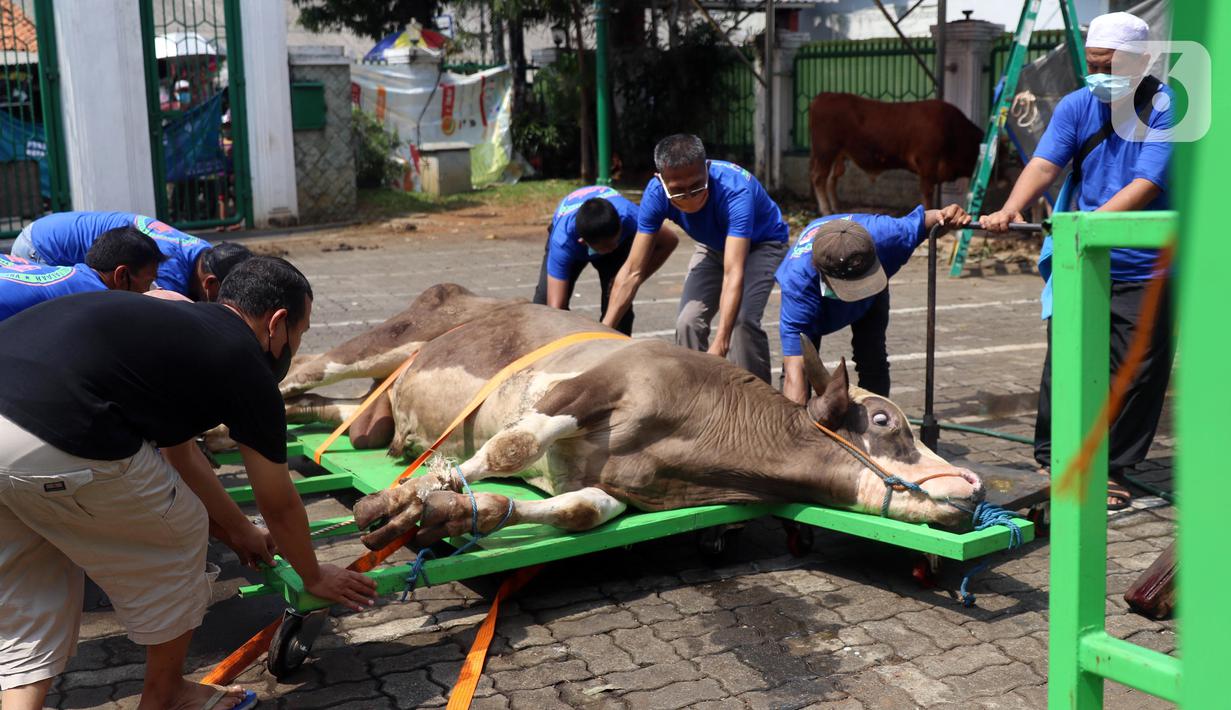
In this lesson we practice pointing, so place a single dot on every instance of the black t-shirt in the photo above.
(96, 374)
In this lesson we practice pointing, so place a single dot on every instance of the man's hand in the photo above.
(343, 586)
(953, 216)
(252, 545)
(999, 221)
(719, 346)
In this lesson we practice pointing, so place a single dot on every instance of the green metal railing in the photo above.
(731, 133)
(882, 69)
(1081, 652)
(200, 162)
(33, 177)
(1041, 42)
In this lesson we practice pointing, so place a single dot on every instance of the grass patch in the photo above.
(385, 203)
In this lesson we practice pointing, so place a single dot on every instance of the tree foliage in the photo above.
(374, 19)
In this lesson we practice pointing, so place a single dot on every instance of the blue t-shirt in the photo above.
(567, 254)
(737, 206)
(1110, 166)
(804, 309)
(64, 238)
(24, 283)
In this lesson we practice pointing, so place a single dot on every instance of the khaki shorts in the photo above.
(133, 525)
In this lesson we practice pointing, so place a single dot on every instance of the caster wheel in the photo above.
(293, 641)
(926, 570)
(1040, 515)
(799, 538)
(715, 544)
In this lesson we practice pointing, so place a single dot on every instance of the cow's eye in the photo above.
(880, 419)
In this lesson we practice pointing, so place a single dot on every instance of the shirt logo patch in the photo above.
(163, 232)
(19, 272)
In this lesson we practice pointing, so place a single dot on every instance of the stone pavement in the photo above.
(655, 626)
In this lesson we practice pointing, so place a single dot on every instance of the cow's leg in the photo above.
(819, 166)
(339, 364)
(315, 408)
(510, 451)
(927, 186)
(517, 447)
(448, 514)
(831, 185)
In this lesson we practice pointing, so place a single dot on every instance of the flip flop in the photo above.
(248, 702)
(1118, 497)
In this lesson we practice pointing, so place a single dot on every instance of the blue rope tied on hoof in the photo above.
(416, 569)
(986, 515)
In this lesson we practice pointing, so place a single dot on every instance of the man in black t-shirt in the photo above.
(105, 378)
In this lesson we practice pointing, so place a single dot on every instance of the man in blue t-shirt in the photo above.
(836, 275)
(122, 259)
(741, 238)
(1117, 174)
(63, 238)
(594, 225)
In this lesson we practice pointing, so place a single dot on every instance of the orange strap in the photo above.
(1076, 474)
(320, 450)
(244, 656)
(472, 668)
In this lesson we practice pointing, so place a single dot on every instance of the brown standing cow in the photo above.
(932, 139)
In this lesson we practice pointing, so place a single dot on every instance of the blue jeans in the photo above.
(23, 246)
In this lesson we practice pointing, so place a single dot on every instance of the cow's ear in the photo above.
(829, 408)
(814, 369)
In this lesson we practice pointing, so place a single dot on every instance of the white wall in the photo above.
(106, 122)
(267, 90)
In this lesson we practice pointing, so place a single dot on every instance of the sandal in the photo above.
(249, 700)
(1118, 497)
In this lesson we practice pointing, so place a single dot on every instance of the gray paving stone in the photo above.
(601, 654)
(906, 642)
(411, 689)
(962, 660)
(537, 699)
(644, 647)
(995, 680)
(694, 625)
(923, 690)
(539, 676)
(332, 696)
(600, 623)
(716, 641)
(676, 695)
(734, 675)
(653, 677)
(654, 613)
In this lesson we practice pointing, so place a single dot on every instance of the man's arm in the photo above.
(1133, 196)
(795, 384)
(227, 522)
(288, 521)
(666, 239)
(734, 255)
(1035, 178)
(630, 277)
(558, 294)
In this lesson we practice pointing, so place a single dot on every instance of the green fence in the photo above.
(33, 179)
(731, 133)
(198, 129)
(1041, 42)
(882, 69)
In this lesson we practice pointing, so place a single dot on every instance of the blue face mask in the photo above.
(1109, 87)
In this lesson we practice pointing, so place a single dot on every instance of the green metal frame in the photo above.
(1000, 113)
(1082, 654)
(517, 546)
(239, 118)
(602, 92)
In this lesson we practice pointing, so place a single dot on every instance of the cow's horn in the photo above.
(814, 369)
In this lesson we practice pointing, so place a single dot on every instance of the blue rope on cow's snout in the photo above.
(986, 515)
(416, 569)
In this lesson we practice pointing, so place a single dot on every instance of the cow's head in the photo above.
(879, 428)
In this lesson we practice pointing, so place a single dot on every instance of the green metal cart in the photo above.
(524, 545)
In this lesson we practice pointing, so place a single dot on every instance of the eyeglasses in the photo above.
(687, 194)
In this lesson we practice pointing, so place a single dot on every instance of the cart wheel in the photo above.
(715, 543)
(293, 641)
(1040, 515)
(799, 538)
(924, 571)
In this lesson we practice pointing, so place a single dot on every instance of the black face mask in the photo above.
(280, 364)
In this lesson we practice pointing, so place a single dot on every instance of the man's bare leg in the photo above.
(165, 686)
(26, 697)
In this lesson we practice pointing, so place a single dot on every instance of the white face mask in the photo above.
(1109, 87)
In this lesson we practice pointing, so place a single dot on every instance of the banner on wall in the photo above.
(429, 107)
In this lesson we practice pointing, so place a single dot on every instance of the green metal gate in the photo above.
(730, 133)
(883, 69)
(33, 177)
(194, 76)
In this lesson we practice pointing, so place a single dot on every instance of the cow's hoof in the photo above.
(371, 510)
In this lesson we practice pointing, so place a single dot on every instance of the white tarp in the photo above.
(428, 107)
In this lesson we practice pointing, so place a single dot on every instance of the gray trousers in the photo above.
(703, 290)
(23, 246)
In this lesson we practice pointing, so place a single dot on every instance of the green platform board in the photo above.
(524, 545)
